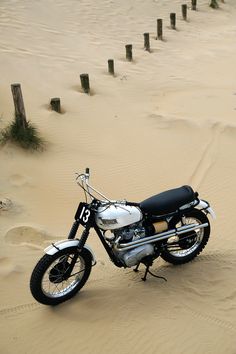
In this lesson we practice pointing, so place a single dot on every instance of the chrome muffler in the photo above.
(159, 237)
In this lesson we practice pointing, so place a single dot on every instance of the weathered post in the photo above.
(194, 5)
(146, 42)
(56, 104)
(159, 29)
(84, 78)
(20, 116)
(173, 20)
(214, 4)
(129, 54)
(184, 11)
(111, 67)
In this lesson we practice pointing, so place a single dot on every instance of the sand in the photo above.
(165, 120)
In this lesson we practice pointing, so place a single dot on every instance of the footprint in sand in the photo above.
(163, 122)
(159, 120)
(18, 180)
(26, 235)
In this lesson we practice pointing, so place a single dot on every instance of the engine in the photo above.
(126, 224)
(128, 234)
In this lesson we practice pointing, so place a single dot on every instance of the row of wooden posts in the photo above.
(129, 55)
(84, 78)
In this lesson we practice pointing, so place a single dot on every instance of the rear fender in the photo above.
(205, 206)
(60, 245)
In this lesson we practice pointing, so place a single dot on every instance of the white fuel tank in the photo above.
(116, 216)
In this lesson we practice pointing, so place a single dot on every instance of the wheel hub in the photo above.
(59, 272)
(188, 239)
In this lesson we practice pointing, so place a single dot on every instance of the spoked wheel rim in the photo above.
(178, 246)
(61, 277)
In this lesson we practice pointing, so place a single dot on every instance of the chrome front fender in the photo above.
(60, 245)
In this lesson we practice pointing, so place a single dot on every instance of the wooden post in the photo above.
(214, 4)
(146, 42)
(194, 5)
(129, 55)
(184, 11)
(20, 116)
(84, 78)
(173, 20)
(159, 29)
(111, 67)
(56, 104)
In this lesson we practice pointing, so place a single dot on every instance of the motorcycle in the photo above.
(172, 225)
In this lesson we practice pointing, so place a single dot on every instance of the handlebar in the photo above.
(84, 178)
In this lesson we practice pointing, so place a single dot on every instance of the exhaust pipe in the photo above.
(161, 236)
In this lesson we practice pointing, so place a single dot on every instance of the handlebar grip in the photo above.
(87, 170)
(132, 204)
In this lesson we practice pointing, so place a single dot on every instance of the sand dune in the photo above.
(164, 120)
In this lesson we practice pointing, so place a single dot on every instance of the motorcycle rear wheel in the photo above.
(58, 278)
(189, 245)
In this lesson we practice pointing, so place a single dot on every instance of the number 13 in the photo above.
(84, 215)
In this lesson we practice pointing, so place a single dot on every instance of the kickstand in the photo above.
(146, 272)
(154, 275)
(148, 263)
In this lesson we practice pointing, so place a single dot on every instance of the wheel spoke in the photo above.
(76, 273)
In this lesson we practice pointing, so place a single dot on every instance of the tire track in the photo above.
(19, 309)
(225, 257)
(208, 156)
(212, 319)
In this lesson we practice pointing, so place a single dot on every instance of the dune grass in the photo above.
(214, 4)
(26, 137)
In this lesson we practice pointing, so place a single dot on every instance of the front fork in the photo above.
(84, 235)
(73, 230)
(81, 244)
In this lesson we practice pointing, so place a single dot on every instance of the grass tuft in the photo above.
(27, 137)
(214, 4)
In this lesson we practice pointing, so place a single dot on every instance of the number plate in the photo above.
(84, 215)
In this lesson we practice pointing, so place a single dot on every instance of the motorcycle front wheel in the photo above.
(58, 278)
(184, 248)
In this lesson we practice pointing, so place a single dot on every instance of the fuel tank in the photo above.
(113, 217)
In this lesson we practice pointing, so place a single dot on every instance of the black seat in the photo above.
(169, 201)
